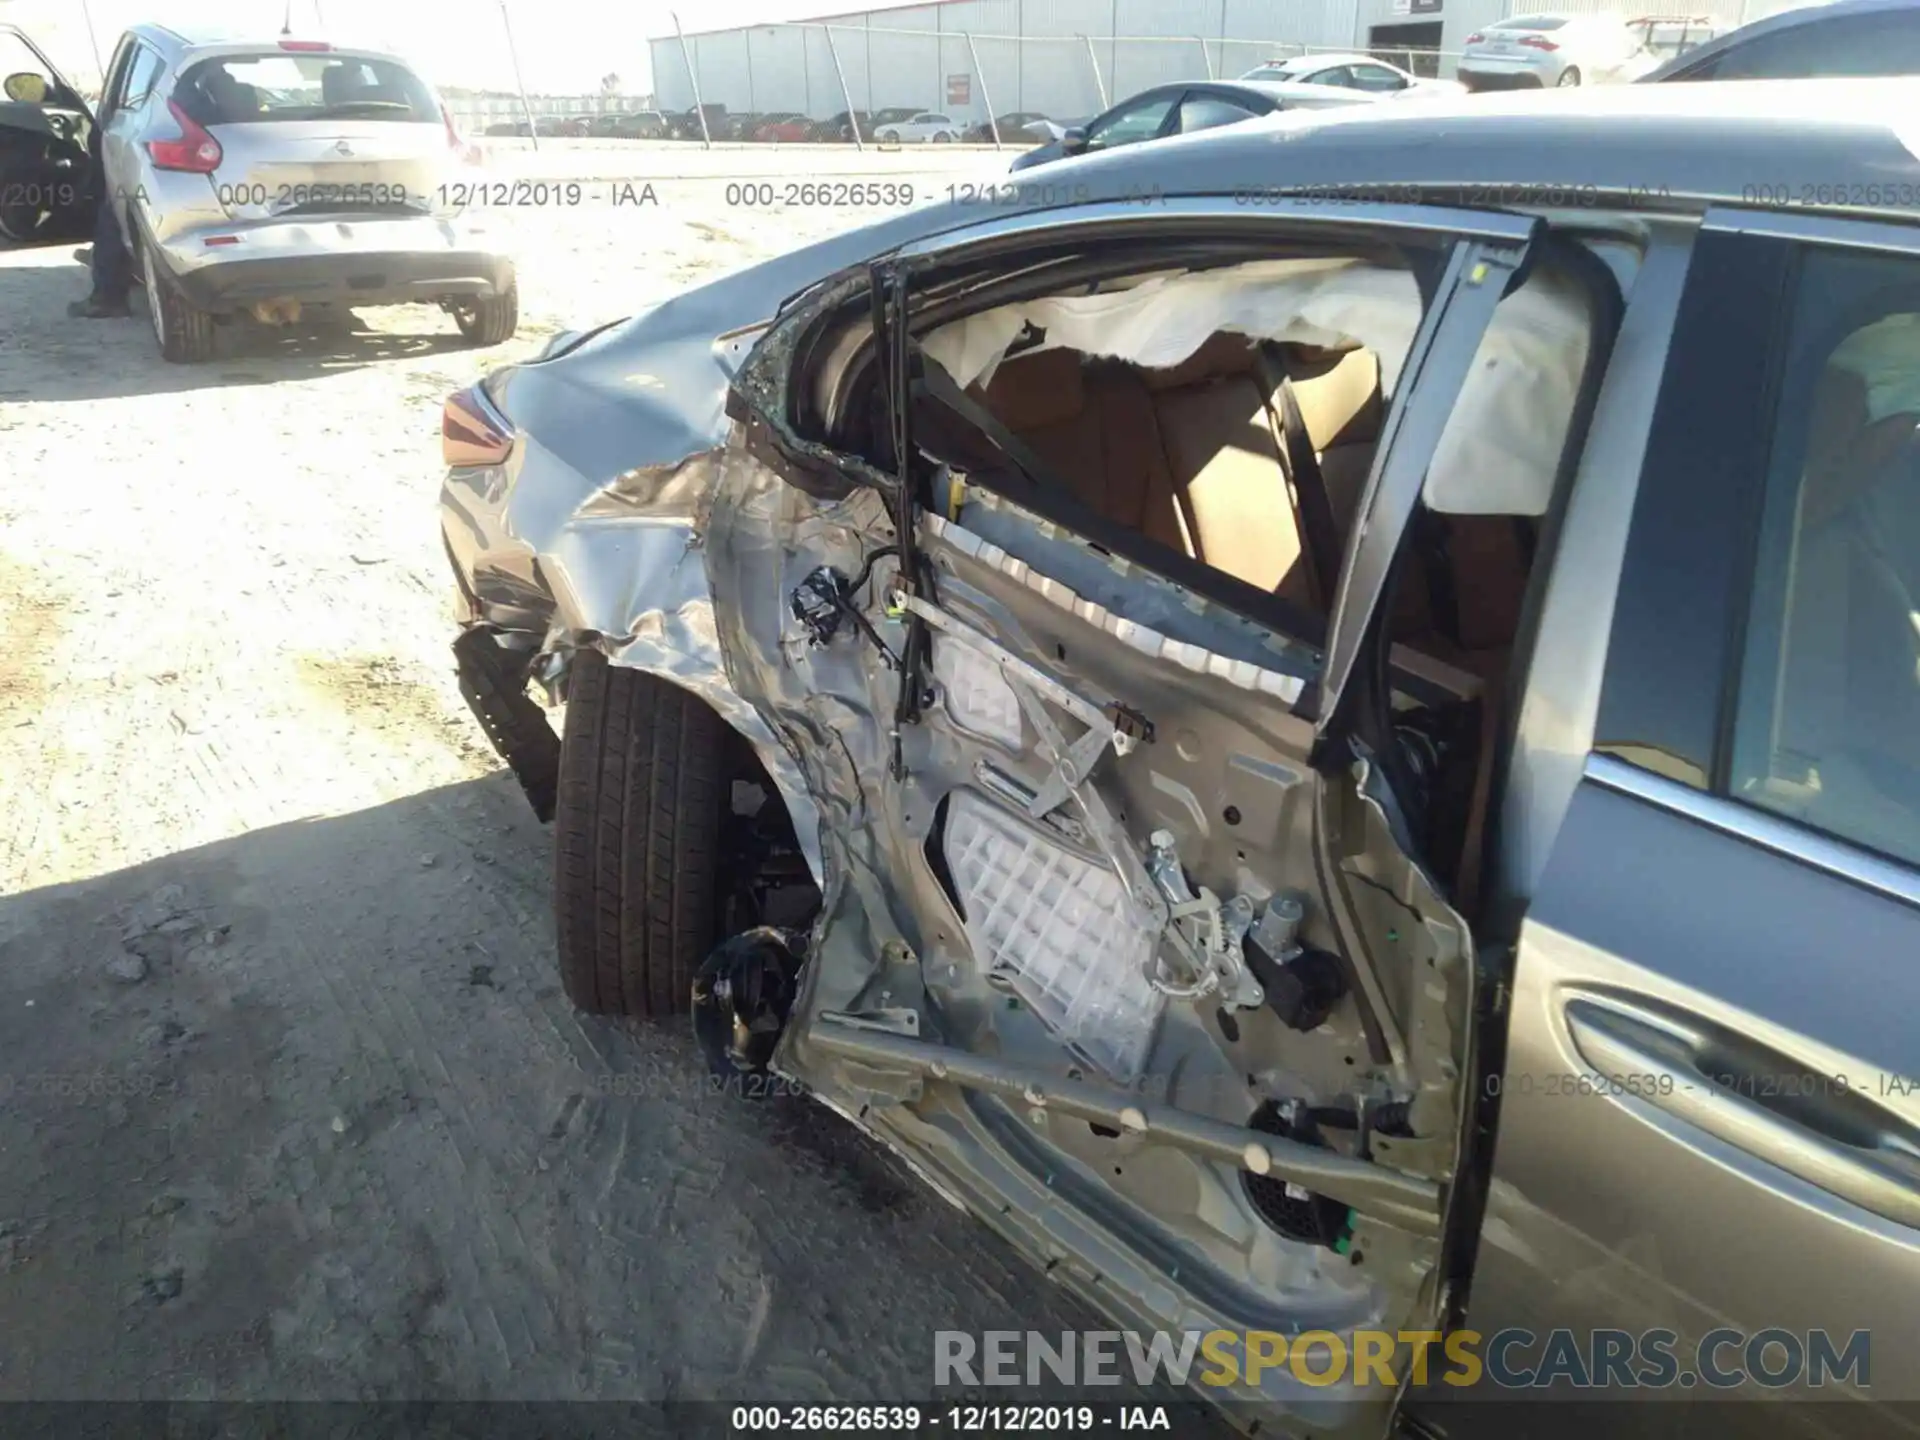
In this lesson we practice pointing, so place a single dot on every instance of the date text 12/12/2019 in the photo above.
(957, 1419)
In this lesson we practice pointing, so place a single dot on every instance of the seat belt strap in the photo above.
(1321, 533)
(936, 384)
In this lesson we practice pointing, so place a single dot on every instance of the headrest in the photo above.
(1032, 392)
(1338, 396)
(1222, 354)
(335, 84)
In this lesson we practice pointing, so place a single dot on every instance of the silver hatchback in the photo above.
(266, 176)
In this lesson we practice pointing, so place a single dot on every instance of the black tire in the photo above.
(490, 319)
(636, 835)
(1569, 78)
(183, 332)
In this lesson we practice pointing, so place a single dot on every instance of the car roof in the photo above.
(1344, 57)
(1272, 89)
(1833, 144)
(175, 41)
(1812, 14)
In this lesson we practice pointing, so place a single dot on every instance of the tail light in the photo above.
(1475, 38)
(1538, 42)
(310, 47)
(194, 151)
(469, 433)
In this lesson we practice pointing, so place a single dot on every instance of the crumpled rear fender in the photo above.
(552, 564)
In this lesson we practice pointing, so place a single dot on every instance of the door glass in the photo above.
(1338, 75)
(1886, 44)
(1135, 122)
(1827, 725)
(145, 70)
(1377, 78)
(1206, 112)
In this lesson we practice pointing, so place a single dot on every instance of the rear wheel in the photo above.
(489, 319)
(890, 137)
(183, 331)
(941, 137)
(1568, 77)
(636, 830)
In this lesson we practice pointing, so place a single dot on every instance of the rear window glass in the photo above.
(1531, 22)
(277, 86)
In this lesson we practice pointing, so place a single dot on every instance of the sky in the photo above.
(564, 45)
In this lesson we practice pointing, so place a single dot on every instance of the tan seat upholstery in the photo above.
(1225, 457)
(1193, 456)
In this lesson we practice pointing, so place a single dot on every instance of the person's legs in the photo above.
(112, 271)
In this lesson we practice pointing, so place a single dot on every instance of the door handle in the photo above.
(1832, 1137)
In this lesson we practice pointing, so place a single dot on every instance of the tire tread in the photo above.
(636, 832)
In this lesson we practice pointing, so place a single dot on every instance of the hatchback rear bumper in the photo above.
(364, 262)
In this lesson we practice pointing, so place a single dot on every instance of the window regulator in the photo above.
(1203, 934)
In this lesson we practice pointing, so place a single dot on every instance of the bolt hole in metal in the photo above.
(1060, 652)
(1231, 814)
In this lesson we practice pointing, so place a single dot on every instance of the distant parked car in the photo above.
(685, 124)
(1013, 127)
(1848, 37)
(1546, 51)
(1182, 109)
(841, 126)
(507, 127)
(1352, 72)
(788, 129)
(926, 127)
(639, 125)
(883, 119)
(560, 126)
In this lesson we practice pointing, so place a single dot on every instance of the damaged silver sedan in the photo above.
(1065, 684)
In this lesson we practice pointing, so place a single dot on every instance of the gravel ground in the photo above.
(294, 1107)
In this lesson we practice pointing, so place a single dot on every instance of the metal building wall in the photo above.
(1063, 58)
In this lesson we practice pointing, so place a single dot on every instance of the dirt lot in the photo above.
(293, 1106)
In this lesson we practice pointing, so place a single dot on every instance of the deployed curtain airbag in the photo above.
(1502, 447)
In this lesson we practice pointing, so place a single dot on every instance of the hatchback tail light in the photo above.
(1538, 42)
(193, 151)
(469, 432)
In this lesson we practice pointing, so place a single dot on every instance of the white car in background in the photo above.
(927, 126)
(1526, 52)
(1352, 72)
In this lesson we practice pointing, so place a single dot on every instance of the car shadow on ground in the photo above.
(304, 1114)
(45, 354)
